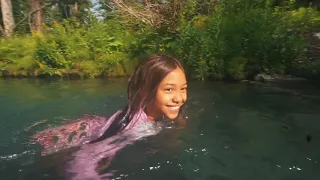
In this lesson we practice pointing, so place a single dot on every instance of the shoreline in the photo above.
(257, 79)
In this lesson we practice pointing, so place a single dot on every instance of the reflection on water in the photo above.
(234, 131)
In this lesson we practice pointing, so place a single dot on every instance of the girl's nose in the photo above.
(178, 98)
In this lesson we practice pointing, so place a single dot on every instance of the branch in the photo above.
(146, 16)
(315, 47)
(31, 13)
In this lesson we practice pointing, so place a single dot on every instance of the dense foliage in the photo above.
(225, 39)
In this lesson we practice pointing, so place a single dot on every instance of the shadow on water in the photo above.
(234, 131)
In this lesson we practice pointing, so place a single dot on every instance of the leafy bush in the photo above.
(91, 51)
(214, 39)
(242, 38)
(17, 56)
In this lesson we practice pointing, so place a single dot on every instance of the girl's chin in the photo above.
(171, 116)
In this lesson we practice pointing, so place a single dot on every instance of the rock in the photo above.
(263, 77)
(276, 77)
(245, 81)
(5, 73)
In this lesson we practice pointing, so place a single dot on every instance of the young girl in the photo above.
(156, 90)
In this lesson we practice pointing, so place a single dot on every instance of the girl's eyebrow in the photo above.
(174, 84)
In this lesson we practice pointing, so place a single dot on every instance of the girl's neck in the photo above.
(153, 116)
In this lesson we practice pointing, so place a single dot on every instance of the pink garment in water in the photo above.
(86, 161)
(86, 164)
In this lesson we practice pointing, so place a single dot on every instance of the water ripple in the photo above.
(15, 156)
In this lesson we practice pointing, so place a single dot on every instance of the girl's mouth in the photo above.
(173, 108)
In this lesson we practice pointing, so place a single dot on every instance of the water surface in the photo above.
(234, 131)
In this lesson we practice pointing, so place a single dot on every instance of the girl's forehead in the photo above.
(175, 77)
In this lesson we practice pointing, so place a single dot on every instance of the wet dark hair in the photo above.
(142, 88)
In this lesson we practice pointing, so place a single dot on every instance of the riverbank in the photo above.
(258, 79)
(223, 44)
(71, 74)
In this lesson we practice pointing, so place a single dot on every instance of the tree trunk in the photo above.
(36, 18)
(75, 8)
(147, 2)
(1, 29)
(7, 18)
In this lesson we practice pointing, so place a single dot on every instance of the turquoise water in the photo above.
(234, 131)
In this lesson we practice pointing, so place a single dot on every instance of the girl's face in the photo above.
(170, 96)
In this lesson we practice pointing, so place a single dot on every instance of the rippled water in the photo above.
(234, 131)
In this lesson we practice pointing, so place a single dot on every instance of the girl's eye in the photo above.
(184, 89)
(168, 89)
